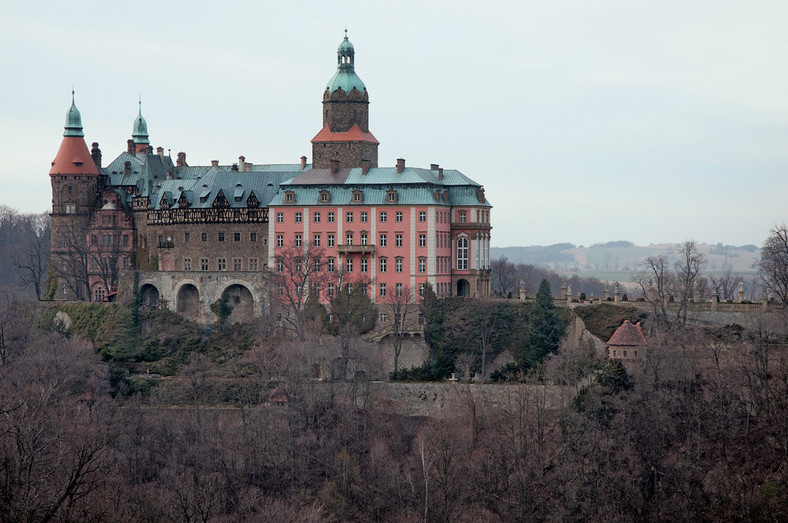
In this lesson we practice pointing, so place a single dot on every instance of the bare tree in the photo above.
(402, 318)
(34, 258)
(688, 268)
(725, 284)
(353, 313)
(655, 280)
(296, 269)
(773, 266)
(71, 257)
(504, 276)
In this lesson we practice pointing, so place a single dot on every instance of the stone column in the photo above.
(715, 299)
(522, 290)
(617, 294)
(741, 291)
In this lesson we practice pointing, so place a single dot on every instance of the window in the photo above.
(324, 196)
(382, 264)
(280, 266)
(330, 294)
(93, 239)
(127, 264)
(422, 240)
(71, 209)
(422, 216)
(99, 294)
(349, 238)
(463, 217)
(382, 317)
(236, 236)
(316, 240)
(330, 240)
(253, 264)
(289, 197)
(236, 264)
(186, 238)
(421, 292)
(70, 189)
(364, 238)
(187, 264)
(298, 240)
(203, 264)
(398, 265)
(221, 236)
(358, 196)
(297, 267)
(316, 217)
(330, 264)
(398, 290)
(462, 254)
(382, 241)
(364, 265)
(349, 265)
(298, 217)
(330, 217)
(280, 289)
(316, 265)
(364, 217)
(252, 236)
(316, 288)
(280, 217)
(382, 291)
(349, 217)
(280, 240)
(398, 240)
(204, 236)
(383, 217)
(422, 265)
(391, 195)
(222, 264)
(398, 216)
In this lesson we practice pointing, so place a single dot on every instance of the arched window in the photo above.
(462, 254)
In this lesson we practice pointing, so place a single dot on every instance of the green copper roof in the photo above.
(140, 134)
(345, 78)
(73, 121)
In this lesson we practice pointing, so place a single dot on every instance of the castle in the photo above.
(190, 235)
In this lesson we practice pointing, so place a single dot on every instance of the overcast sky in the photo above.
(586, 121)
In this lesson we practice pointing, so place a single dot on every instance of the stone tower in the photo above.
(75, 182)
(345, 136)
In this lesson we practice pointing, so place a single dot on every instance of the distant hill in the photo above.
(624, 257)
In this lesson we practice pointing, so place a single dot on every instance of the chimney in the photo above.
(234, 168)
(130, 147)
(248, 167)
(95, 152)
(214, 163)
(126, 168)
(160, 152)
(149, 149)
(181, 162)
(400, 164)
(440, 173)
(242, 163)
(303, 163)
(365, 166)
(334, 166)
(434, 167)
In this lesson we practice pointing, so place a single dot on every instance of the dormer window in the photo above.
(290, 197)
(391, 196)
(358, 196)
(325, 196)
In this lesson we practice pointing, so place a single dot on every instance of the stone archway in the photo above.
(242, 302)
(188, 302)
(463, 288)
(149, 295)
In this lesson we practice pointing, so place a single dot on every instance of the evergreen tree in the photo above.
(546, 329)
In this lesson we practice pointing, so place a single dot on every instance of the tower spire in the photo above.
(73, 125)
(140, 132)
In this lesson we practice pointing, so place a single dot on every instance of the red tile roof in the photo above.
(73, 157)
(627, 335)
(355, 134)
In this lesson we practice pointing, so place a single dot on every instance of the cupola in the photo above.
(345, 78)
(73, 120)
(140, 133)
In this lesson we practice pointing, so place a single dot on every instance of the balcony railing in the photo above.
(345, 249)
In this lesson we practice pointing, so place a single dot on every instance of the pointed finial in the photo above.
(72, 94)
(140, 102)
(345, 32)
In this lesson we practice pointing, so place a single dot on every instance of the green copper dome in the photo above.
(73, 121)
(345, 78)
(140, 134)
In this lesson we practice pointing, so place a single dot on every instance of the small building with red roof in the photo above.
(627, 343)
